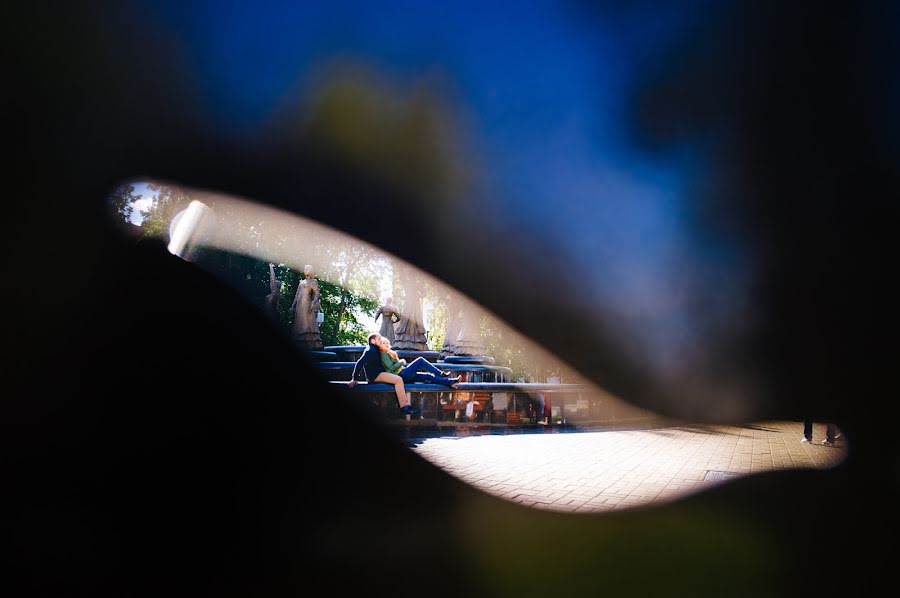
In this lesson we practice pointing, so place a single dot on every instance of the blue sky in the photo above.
(545, 87)
(142, 205)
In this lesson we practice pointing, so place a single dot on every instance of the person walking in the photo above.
(831, 433)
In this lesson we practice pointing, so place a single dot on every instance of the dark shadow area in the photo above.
(694, 429)
(756, 427)
(158, 438)
(701, 429)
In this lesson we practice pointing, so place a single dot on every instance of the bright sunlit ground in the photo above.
(602, 471)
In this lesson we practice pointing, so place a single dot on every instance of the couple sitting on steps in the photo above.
(380, 364)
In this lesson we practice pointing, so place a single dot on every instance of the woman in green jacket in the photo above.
(420, 370)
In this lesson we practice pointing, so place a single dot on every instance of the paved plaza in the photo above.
(594, 471)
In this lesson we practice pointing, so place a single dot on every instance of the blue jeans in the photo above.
(421, 370)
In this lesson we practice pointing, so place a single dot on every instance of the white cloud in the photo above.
(139, 208)
(143, 204)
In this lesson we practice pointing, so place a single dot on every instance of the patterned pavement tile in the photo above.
(600, 471)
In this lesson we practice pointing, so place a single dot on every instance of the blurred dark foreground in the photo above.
(160, 438)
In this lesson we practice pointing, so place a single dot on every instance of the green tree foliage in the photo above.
(437, 322)
(349, 266)
(341, 307)
(122, 199)
(349, 331)
(167, 202)
(251, 277)
(511, 350)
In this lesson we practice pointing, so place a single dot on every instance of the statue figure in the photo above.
(274, 297)
(305, 330)
(390, 316)
(468, 341)
(453, 326)
(410, 331)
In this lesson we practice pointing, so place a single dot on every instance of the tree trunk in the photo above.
(344, 296)
(341, 306)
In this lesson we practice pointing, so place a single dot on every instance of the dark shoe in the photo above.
(407, 410)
